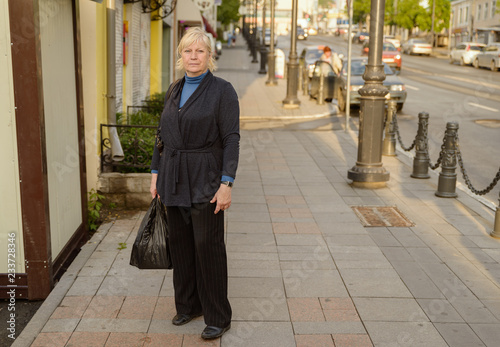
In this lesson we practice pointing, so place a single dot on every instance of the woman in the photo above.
(193, 176)
(332, 58)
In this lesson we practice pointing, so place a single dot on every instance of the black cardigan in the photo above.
(201, 142)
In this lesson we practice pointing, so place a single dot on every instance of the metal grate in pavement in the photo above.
(382, 216)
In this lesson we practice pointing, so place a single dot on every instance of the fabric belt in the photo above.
(175, 154)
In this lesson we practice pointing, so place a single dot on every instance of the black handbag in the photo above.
(151, 249)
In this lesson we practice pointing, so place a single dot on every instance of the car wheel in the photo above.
(341, 100)
(493, 66)
(462, 62)
(475, 63)
(451, 60)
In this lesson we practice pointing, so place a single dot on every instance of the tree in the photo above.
(361, 9)
(228, 11)
(411, 14)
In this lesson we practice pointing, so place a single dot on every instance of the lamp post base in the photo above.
(368, 177)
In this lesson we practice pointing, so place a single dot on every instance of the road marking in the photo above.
(412, 88)
(485, 107)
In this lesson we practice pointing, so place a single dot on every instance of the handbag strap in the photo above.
(158, 131)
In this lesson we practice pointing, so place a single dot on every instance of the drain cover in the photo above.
(382, 216)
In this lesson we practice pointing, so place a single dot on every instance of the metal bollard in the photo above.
(321, 92)
(301, 75)
(496, 228)
(389, 146)
(305, 82)
(448, 178)
(421, 160)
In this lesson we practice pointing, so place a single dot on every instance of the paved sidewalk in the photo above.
(303, 269)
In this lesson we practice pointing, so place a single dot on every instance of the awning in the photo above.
(188, 12)
(208, 27)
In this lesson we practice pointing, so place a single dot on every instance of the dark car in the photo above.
(361, 37)
(301, 33)
(390, 55)
(335, 87)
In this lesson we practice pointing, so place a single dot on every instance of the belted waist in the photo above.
(175, 152)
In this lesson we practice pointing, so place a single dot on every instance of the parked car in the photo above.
(488, 57)
(390, 55)
(309, 56)
(267, 37)
(301, 33)
(416, 46)
(361, 37)
(336, 86)
(465, 52)
(393, 40)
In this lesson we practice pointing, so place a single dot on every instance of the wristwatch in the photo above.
(227, 183)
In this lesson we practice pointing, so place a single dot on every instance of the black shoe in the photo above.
(181, 318)
(213, 332)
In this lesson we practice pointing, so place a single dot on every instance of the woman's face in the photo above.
(195, 59)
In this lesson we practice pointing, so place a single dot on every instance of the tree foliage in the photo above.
(228, 12)
(361, 8)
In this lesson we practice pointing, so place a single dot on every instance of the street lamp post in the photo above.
(271, 79)
(254, 36)
(263, 49)
(369, 171)
(291, 100)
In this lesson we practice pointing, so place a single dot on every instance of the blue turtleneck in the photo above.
(189, 87)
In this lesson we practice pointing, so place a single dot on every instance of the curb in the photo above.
(38, 321)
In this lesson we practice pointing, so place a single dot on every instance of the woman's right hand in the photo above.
(152, 188)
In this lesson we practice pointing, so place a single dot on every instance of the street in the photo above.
(448, 92)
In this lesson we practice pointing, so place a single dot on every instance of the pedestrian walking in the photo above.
(193, 176)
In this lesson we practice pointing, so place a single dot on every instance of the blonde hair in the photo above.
(192, 35)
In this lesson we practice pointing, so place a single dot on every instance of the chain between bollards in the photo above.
(448, 177)
(389, 145)
(421, 160)
(321, 91)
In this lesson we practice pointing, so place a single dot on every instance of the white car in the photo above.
(416, 46)
(465, 52)
(393, 40)
(488, 57)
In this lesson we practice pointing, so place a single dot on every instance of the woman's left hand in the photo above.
(222, 198)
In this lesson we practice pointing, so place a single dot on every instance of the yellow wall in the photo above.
(10, 201)
(88, 32)
(156, 55)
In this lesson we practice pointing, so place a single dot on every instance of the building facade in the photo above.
(475, 20)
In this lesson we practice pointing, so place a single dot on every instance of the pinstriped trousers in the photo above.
(196, 238)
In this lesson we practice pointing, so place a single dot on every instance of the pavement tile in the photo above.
(313, 283)
(352, 340)
(459, 335)
(473, 310)
(191, 340)
(104, 307)
(163, 340)
(71, 307)
(60, 325)
(440, 311)
(138, 307)
(126, 339)
(341, 315)
(284, 228)
(260, 309)
(255, 287)
(374, 283)
(305, 310)
(336, 303)
(307, 228)
(320, 340)
(164, 309)
(113, 325)
(342, 327)
(51, 339)
(87, 339)
(389, 310)
(85, 286)
(417, 281)
(415, 334)
(141, 284)
(251, 334)
(488, 333)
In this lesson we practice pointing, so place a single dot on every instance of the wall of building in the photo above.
(60, 116)
(10, 203)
